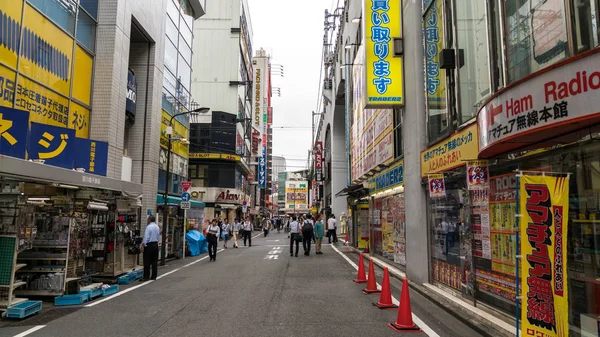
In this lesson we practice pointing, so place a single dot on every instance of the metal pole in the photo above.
(165, 204)
(184, 229)
(518, 257)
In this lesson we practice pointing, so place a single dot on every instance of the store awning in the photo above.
(31, 171)
(354, 191)
(171, 200)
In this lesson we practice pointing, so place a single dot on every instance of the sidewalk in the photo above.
(479, 319)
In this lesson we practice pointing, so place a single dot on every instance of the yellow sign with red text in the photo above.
(544, 209)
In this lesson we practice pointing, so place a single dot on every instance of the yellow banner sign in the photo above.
(179, 131)
(451, 152)
(223, 156)
(384, 70)
(544, 209)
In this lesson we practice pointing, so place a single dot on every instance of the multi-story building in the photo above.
(221, 141)
(506, 86)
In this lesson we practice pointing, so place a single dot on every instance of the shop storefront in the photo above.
(64, 225)
(178, 221)
(387, 235)
(225, 203)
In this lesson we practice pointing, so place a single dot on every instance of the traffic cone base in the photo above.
(385, 306)
(361, 277)
(371, 281)
(399, 328)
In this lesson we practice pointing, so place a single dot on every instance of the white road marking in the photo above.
(426, 329)
(144, 284)
(273, 254)
(27, 332)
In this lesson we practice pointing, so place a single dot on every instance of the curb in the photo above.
(476, 322)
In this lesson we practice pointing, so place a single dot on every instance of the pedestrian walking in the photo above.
(265, 226)
(331, 229)
(150, 249)
(307, 236)
(248, 228)
(236, 230)
(294, 236)
(220, 227)
(318, 232)
(226, 230)
(212, 236)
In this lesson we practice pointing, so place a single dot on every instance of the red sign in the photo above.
(251, 177)
(186, 185)
(319, 160)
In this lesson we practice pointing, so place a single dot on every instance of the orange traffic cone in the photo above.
(372, 281)
(361, 278)
(404, 321)
(385, 299)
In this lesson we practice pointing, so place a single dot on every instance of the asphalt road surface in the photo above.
(250, 291)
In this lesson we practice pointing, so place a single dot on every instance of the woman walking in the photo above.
(226, 229)
(236, 231)
(294, 236)
(212, 236)
(318, 235)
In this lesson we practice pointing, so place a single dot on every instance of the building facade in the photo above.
(221, 141)
(498, 86)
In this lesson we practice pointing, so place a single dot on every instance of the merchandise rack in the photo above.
(8, 268)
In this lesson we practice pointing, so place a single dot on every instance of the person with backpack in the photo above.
(307, 236)
(294, 236)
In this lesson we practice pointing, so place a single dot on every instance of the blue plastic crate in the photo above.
(110, 290)
(75, 299)
(138, 273)
(92, 293)
(126, 279)
(23, 309)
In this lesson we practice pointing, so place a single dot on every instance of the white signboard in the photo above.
(185, 205)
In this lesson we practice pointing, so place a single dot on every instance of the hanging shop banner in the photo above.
(262, 171)
(451, 152)
(91, 155)
(565, 97)
(296, 195)
(259, 98)
(14, 125)
(383, 66)
(54, 145)
(319, 160)
(435, 88)
(179, 131)
(390, 178)
(478, 176)
(544, 209)
(437, 185)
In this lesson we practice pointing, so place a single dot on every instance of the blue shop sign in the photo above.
(92, 155)
(53, 144)
(13, 132)
(391, 177)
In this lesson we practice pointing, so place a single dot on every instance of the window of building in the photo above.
(185, 50)
(584, 21)
(171, 56)
(171, 30)
(173, 12)
(91, 6)
(472, 39)
(187, 35)
(184, 73)
(60, 12)
(536, 35)
(86, 31)
(438, 115)
(497, 46)
(170, 83)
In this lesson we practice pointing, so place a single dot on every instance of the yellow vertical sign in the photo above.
(544, 209)
(384, 71)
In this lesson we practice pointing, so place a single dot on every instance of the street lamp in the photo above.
(169, 133)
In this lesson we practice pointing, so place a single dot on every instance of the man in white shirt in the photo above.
(150, 248)
(248, 228)
(331, 228)
(294, 236)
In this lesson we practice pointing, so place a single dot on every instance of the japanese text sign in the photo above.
(544, 209)
(384, 70)
(13, 132)
(435, 87)
(437, 185)
(450, 152)
(530, 112)
(52, 144)
(262, 171)
(478, 176)
(391, 177)
(91, 155)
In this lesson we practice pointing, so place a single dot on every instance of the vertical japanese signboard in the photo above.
(544, 209)
(319, 160)
(434, 43)
(259, 105)
(383, 69)
(478, 177)
(437, 185)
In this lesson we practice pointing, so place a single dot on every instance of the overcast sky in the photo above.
(292, 33)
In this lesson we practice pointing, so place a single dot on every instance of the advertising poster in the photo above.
(478, 177)
(544, 209)
(437, 186)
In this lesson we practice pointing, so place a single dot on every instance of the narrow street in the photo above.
(257, 291)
